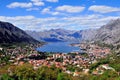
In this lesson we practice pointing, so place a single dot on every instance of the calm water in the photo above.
(63, 47)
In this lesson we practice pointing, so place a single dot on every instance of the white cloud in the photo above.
(26, 5)
(21, 5)
(38, 2)
(47, 11)
(55, 13)
(73, 22)
(52, 0)
(35, 0)
(31, 9)
(103, 9)
(70, 9)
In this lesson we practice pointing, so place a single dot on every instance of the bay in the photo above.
(61, 47)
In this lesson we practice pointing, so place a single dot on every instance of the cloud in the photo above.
(21, 5)
(31, 9)
(38, 2)
(26, 5)
(70, 9)
(55, 13)
(47, 11)
(52, 0)
(35, 0)
(73, 22)
(103, 9)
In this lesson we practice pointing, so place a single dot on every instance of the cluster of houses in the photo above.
(60, 60)
(16, 53)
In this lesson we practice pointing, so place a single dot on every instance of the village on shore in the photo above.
(80, 60)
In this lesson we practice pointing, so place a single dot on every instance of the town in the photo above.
(74, 63)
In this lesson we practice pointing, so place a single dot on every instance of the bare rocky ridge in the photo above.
(11, 34)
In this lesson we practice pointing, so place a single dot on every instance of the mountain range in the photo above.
(109, 33)
(57, 35)
(12, 34)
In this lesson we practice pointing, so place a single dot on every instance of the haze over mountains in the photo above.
(109, 33)
(11, 34)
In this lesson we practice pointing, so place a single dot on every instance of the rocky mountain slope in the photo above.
(109, 33)
(11, 34)
(87, 35)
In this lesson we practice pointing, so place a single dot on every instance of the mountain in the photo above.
(109, 33)
(57, 35)
(53, 35)
(86, 35)
(11, 34)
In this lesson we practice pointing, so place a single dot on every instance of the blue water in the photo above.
(63, 47)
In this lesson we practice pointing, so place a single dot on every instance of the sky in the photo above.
(40, 15)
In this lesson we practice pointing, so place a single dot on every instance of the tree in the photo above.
(46, 73)
(6, 77)
(25, 72)
(60, 76)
